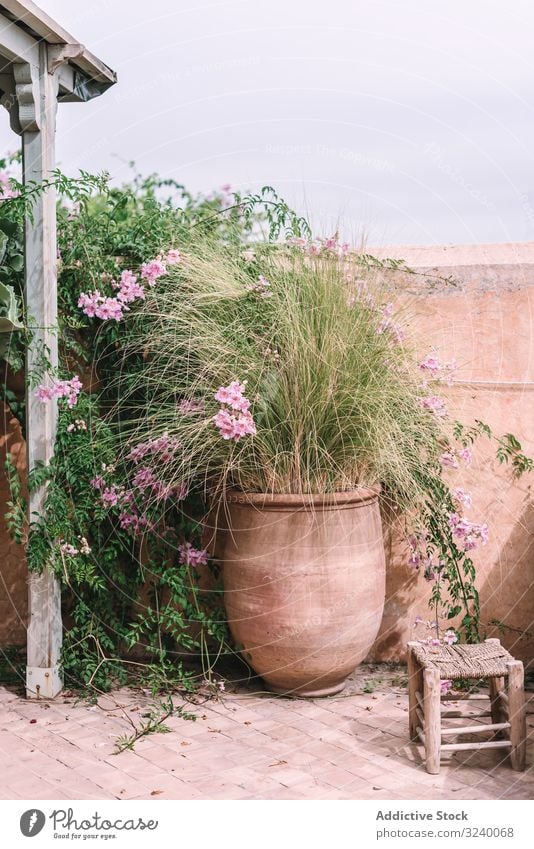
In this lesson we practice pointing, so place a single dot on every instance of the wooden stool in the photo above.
(429, 665)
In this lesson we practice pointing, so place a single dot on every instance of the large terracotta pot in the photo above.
(304, 581)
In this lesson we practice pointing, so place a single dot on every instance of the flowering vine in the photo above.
(234, 419)
(56, 388)
(128, 289)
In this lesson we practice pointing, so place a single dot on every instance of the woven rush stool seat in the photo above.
(429, 665)
(481, 660)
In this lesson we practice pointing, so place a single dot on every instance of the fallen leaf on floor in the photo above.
(185, 743)
(214, 730)
(247, 723)
(32, 721)
(156, 792)
(278, 763)
(377, 788)
(369, 707)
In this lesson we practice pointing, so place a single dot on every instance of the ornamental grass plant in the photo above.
(278, 370)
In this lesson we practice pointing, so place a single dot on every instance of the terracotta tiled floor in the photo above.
(249, 745)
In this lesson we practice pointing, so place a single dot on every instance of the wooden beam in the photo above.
(16, 45)
(44, 627)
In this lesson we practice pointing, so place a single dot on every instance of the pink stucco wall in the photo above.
(486, 323)
(13, 592)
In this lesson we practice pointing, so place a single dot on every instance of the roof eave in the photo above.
(37, 23)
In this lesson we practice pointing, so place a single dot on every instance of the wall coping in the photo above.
(428, 256)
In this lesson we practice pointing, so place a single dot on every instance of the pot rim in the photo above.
(318, 501)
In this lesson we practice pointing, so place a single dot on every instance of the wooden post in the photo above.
(414, 684)
(517, 714)
(37, 101)
(432, 702)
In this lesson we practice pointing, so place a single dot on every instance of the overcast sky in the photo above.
(407, 122)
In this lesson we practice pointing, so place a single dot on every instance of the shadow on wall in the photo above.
(404, 584)
(507, 593)
(13, 586)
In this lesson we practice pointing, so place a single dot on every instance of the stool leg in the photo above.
(496, 686)
(432, 701)
(517, 714)
(415, 682)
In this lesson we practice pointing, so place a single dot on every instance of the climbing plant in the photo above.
(141, 595)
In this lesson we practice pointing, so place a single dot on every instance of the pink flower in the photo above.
(297, 242)
(173, 257)
(450, 638)
(445, 686)
(224, 421)
(261, 287)
(191, 556)
(466, 455)
(163, 446)
(234, 427)
(232, 395)
(230, 425)
(44, 393)
(98, 482)
(144, 479)
(186, 407)
(132, 521)
(386, 325)
(161, 491)
(152, 270)
(223, 395)
(89, 303)
(470, 534)
(110, 496)
(244, 426)
(431, 364)
(69, 389)
(129, 288)
(462, 497)
(110, 308)
(5, 187)
(435, 405)
(448, 460)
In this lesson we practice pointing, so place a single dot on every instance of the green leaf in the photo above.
(8, 301)
(3, 244)
(17, 262)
